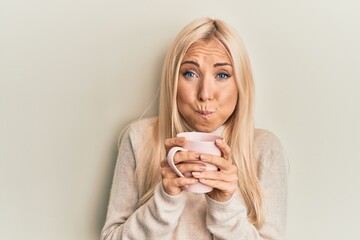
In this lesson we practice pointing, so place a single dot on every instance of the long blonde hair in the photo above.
(239, 128)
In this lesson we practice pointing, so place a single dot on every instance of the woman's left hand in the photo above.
(224, 181)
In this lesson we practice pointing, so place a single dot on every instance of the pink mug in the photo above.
(197, 142)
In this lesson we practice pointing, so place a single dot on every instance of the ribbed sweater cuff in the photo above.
(177, 201)
(225, 210)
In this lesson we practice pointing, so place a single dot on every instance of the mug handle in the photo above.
(170, 159)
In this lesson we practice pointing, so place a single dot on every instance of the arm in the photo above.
(156, 219)
(228, 220)
(273, 179)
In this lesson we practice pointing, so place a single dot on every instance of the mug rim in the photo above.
(197, 136)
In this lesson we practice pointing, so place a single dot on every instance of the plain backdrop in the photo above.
(74, 73)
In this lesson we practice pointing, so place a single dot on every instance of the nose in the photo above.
(206, 90)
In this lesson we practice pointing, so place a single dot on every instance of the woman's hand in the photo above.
(224, 181)
(171, 182)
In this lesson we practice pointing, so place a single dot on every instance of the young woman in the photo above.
(206, 86)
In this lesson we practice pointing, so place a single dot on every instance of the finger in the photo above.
(191, 167)
(183, 168)
(184, 181)
(216, 175)
(224, 148)
(172, 142)
(179, 182)
(167, 172)
(192, 164)
(225, 187)
(182, 156)
(164, 163)
(173, 186)
(220, 162)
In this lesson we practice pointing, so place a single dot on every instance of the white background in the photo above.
(74, 73)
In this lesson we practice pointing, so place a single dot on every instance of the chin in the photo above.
(205, 128)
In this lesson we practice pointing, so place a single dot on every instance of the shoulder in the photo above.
(142, 126)
(267, 148)
(137, 130)
(264, 139)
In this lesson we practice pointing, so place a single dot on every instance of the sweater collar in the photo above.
(219, 131)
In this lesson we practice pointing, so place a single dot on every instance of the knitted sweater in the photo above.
(193, 215)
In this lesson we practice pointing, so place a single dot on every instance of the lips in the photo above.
(205, 114)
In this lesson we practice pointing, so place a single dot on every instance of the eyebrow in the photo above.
(197, 64)
(222, 64)
(190, 62)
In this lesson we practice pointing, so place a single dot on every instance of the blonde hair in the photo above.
(239, 128)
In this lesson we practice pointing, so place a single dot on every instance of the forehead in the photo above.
(207, 48)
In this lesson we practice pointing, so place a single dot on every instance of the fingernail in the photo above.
(202, 167)
(203, 157)
(179, 140)
(196, 174)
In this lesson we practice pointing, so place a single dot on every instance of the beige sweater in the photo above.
(194, 215)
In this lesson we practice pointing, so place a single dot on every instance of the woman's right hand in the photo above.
(171, 182)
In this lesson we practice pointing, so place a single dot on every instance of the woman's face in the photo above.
(207, 92)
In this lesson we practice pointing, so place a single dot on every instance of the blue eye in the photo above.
(189, 74)
(223, 76)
